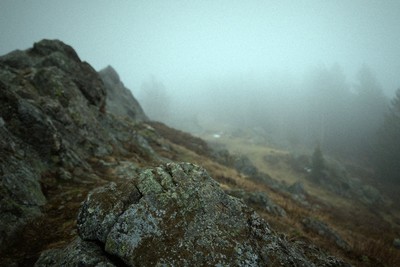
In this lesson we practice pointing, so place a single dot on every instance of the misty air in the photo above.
(200, 133)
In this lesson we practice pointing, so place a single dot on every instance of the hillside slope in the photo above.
(363, 212)
(66, 130)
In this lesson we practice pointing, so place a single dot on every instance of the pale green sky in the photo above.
(187, 43)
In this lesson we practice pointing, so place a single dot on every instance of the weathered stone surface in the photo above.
(176, 215)
(77, 254)
(120, 100)
(324, 230)
(259, 200)
(52, 110)
(46, 47)
(20, 191)
(243, 164)
(102, 209)
(56, 53)
(240, 162)
(298, 193)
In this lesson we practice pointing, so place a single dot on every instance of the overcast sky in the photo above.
(184, 44)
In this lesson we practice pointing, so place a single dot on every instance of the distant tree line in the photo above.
(342, 119)
(325, 109)
(386, 152)
(354, 121)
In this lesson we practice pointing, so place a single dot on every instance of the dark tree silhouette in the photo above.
(317, 165)
(369, 111)
(387, 148)
(155, 100)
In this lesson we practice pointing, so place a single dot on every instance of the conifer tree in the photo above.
(317, 165)
(387, 148)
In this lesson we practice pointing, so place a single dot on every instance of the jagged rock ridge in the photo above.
(53, 118)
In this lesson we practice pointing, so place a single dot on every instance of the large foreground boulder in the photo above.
(177, 215)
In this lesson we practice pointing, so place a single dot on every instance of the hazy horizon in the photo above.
(188, 45)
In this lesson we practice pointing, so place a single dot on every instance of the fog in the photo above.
(230, 64)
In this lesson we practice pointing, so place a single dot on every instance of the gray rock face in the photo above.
(52, 118)
(324, 230)
(120, 100)
(176, 215)
(258, 199)
(20, 191)
(240, 162)
(244, 165)
(298, 193)
(56, 53)
(96, 220)
(78, 253)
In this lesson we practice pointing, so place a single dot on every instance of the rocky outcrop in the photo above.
(297, 188)
(322, 229)
(52, 119)
(78, 253)
(177, 205)
(244, 165)
(298, 193)
(258, 200)
(20, 192)
(176, 215)
(120, 100)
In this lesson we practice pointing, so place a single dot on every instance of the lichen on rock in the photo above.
(179, 216)
(53, 118)
(77, 253)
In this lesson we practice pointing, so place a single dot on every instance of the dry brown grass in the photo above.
(369, 230)
(375, 252)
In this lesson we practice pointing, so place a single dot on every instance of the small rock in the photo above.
(396, 243)
(297, 188)
(243, 164)
(77, 253)
(324, 230)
